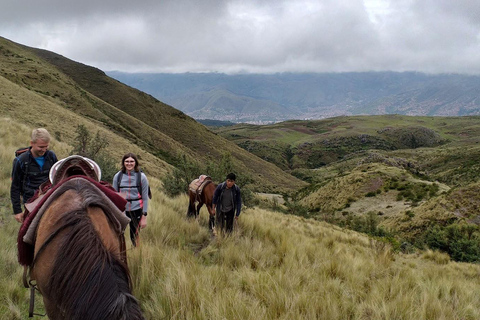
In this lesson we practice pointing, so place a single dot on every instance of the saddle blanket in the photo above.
(27, 233)
(196, 186)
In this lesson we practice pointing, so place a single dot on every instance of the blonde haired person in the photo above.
(30, 170)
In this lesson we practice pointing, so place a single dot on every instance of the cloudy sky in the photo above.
(262, 36)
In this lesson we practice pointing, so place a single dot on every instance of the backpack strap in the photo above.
(49, 157)
(25, 157)
(119, 179)
(138, 182)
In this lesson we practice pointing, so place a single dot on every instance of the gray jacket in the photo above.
(128, 186)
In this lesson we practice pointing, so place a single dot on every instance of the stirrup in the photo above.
(33, 287)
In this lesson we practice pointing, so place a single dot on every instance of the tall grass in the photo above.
(274, 266)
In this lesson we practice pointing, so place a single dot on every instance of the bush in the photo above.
(174, 184)
(461, 242)
(107, 165)
(94, 148)
(371, 194)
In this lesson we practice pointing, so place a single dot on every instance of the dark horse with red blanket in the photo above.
(76, 252)
(201, 190)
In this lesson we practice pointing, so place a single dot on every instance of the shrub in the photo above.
(94, 148)
(461, 242)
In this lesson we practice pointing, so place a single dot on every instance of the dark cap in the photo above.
(231, 176)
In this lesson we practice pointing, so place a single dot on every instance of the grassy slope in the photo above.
(275, 266)
(362, 177)
(315, 143)
(156, 128)
(61, 123)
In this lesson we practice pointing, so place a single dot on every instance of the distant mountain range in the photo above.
(260, 98)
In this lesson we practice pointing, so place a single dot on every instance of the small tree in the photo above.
(94, 148)
(178, 180)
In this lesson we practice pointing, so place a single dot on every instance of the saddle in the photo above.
(72, 166)
(60, 171)
(64, 171)
(197, 185)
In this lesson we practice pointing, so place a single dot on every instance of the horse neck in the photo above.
(88, 279)
(107, 234)
(207, 193)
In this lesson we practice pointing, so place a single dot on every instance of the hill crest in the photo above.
(264, 98)
(104, 103)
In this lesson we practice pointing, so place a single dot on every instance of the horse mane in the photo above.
(87, 280)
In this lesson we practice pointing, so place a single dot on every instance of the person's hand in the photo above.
(143, 222)
(19, 217)
(236, 217)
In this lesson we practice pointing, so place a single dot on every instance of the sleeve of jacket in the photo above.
(144, 192)
(17, 180)
(239, 201)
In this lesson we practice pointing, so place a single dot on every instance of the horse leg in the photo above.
(197, 213)
(191, 209)
(211, 221)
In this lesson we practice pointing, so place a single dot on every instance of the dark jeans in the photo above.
(225, 221)
(135, 217)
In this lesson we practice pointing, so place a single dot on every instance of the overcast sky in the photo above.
(264, 36)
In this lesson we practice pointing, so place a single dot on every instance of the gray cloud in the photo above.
(253, 36)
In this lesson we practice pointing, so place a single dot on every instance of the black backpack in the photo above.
(18, 153)
(138, 183)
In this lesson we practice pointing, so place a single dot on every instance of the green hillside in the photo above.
(312, 144)
(41, 88)
(412, 179)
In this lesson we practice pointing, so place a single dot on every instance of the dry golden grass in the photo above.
(274, 266)
(283, 267)
(27, 108)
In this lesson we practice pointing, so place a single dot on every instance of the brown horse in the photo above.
(80, 260)
(205, 196)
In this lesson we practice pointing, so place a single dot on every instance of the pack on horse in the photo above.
(72, 241)
(201, 191)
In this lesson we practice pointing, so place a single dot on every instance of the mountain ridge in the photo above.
(262, 98)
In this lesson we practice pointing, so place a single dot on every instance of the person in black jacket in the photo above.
(30, 170)
(227, 201)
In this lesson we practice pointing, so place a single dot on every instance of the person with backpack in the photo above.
(31, 167)
(133, 183)
(227, 201)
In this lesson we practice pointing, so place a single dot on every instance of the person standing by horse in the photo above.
(30, 170)
(227, 201)
(133, 183)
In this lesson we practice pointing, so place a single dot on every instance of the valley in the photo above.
(369, 216)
